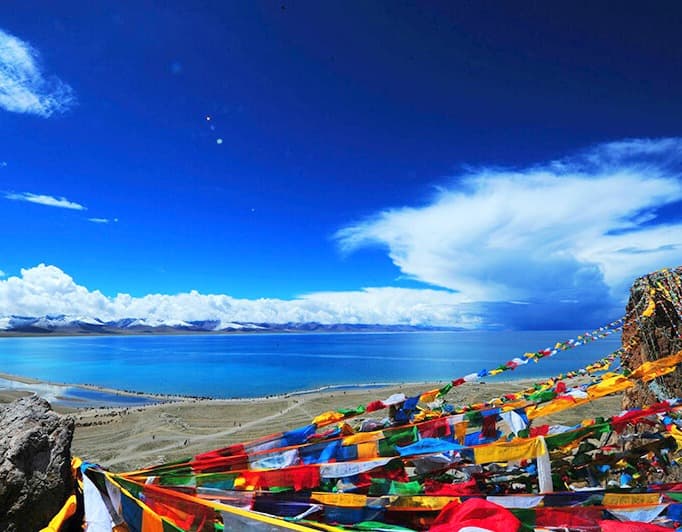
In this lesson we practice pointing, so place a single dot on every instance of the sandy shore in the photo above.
(126, 438)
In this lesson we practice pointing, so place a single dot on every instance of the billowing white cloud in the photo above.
(2, 274)
(575, 229)
(23, 86)
(43, 290)
(42, 199)
(554, 245)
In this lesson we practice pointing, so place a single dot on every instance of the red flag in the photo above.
(630, 526)
(475, 513)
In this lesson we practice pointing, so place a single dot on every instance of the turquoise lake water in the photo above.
(261, 364)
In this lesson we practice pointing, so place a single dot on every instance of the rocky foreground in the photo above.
(35, 464)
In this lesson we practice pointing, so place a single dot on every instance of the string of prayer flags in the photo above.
(427, 466)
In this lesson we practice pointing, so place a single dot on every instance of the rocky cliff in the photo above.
(35, 464)
(652, 330)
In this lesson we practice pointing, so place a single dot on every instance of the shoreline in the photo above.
(22, 386)
(149, 333)
(124, 438)
(28, 385)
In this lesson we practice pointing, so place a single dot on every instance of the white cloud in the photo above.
(2, 274)
(48, 290)
(99, 220)
(42, 199)
(554, 245)
(559, 231)
(23, 86)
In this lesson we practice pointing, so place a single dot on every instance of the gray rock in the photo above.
(35, 464)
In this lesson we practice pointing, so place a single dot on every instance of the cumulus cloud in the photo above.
(23, 86)
(577, 229)
(42, 199)
(550, 246)
(43, 290)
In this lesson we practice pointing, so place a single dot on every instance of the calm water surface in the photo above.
(257, 365)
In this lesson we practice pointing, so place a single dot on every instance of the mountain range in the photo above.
(77, 325)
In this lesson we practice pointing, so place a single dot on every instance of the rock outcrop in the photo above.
(35, 464)
(653, 330)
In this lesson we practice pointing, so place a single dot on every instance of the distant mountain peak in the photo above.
(75, 325)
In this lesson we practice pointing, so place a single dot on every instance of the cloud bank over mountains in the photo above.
(47, 290)
(550, 246)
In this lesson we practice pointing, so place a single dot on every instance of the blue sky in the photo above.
(473, 164)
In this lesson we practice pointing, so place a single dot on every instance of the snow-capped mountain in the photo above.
(75, 324)
(48, 323)
(68, 325)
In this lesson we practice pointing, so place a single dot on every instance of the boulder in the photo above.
(35, 463)
(653, 330)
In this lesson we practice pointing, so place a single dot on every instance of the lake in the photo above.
(254, 365)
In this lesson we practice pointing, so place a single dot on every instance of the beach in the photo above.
(126, 429)
(127, 438)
